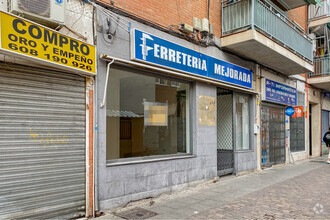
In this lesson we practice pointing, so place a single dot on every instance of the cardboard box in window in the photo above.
(155, 114)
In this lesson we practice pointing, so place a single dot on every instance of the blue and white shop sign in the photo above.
(289, 111)
(280, 93)
(153, 50)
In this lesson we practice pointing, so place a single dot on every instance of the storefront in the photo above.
(44, 125)
(235, 121)
(164, 105)
(147, 115)
(275, 133)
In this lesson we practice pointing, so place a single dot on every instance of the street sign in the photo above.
(289, 111)
(298, 112)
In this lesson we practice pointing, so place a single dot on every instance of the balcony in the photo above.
(291, 4)
(320, 78)
(256, 30)
(319, 15)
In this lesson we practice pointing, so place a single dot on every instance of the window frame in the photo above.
(189, 129)
(251, 122)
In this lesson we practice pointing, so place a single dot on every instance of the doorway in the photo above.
(225, 149)
(272, 134)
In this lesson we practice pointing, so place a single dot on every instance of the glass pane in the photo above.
(297, 129)
(146, 116)
(242, 122)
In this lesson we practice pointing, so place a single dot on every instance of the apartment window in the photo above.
(146, 116)
(242, 122)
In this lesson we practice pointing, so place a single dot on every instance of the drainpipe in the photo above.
(106, 83)
(308, 123)
(252, 15)
(208, 10)
(321, 107)
(95, 162)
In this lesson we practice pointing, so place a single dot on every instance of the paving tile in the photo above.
(299, 191)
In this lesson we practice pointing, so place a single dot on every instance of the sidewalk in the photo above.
(288, 191)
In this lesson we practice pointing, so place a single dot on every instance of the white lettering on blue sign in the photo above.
(178, 57)
(151, 49)
(280, 93)
(231, 73)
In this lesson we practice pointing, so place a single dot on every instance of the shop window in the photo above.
(242, 122)
(146, 116)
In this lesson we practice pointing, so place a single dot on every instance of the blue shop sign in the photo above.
(280, 93)
(156, 51)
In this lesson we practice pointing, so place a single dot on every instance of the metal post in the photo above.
(222, 18)
(327, 37)
(252, 14)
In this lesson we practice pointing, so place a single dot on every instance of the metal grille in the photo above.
(297, 129)
(272, 135)
(225, 154)
(136, 214)
(42, 143)
(321, 66)
(35, 6)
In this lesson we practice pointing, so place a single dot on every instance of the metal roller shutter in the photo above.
(42, 143)
(272, 134)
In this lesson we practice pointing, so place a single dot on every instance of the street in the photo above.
(293, 191)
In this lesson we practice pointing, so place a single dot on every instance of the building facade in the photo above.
(320, 80)
(104, 103)
(143, 153)
(172, 107)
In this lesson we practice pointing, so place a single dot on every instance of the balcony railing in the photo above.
(321, 66)
(317, 12)
(256, 14)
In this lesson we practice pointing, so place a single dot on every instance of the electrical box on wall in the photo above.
(256, 129)
(197, 24)
(205, 25)
(186, 28)
(49, 13)
(211, 29)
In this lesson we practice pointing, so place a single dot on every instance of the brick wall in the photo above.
(172, 12)
(299, 15)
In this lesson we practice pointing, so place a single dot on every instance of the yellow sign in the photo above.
(26, 38)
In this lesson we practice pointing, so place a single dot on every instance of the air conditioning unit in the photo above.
(50, 13)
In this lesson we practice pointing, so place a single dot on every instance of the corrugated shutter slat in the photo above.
(42, 143)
